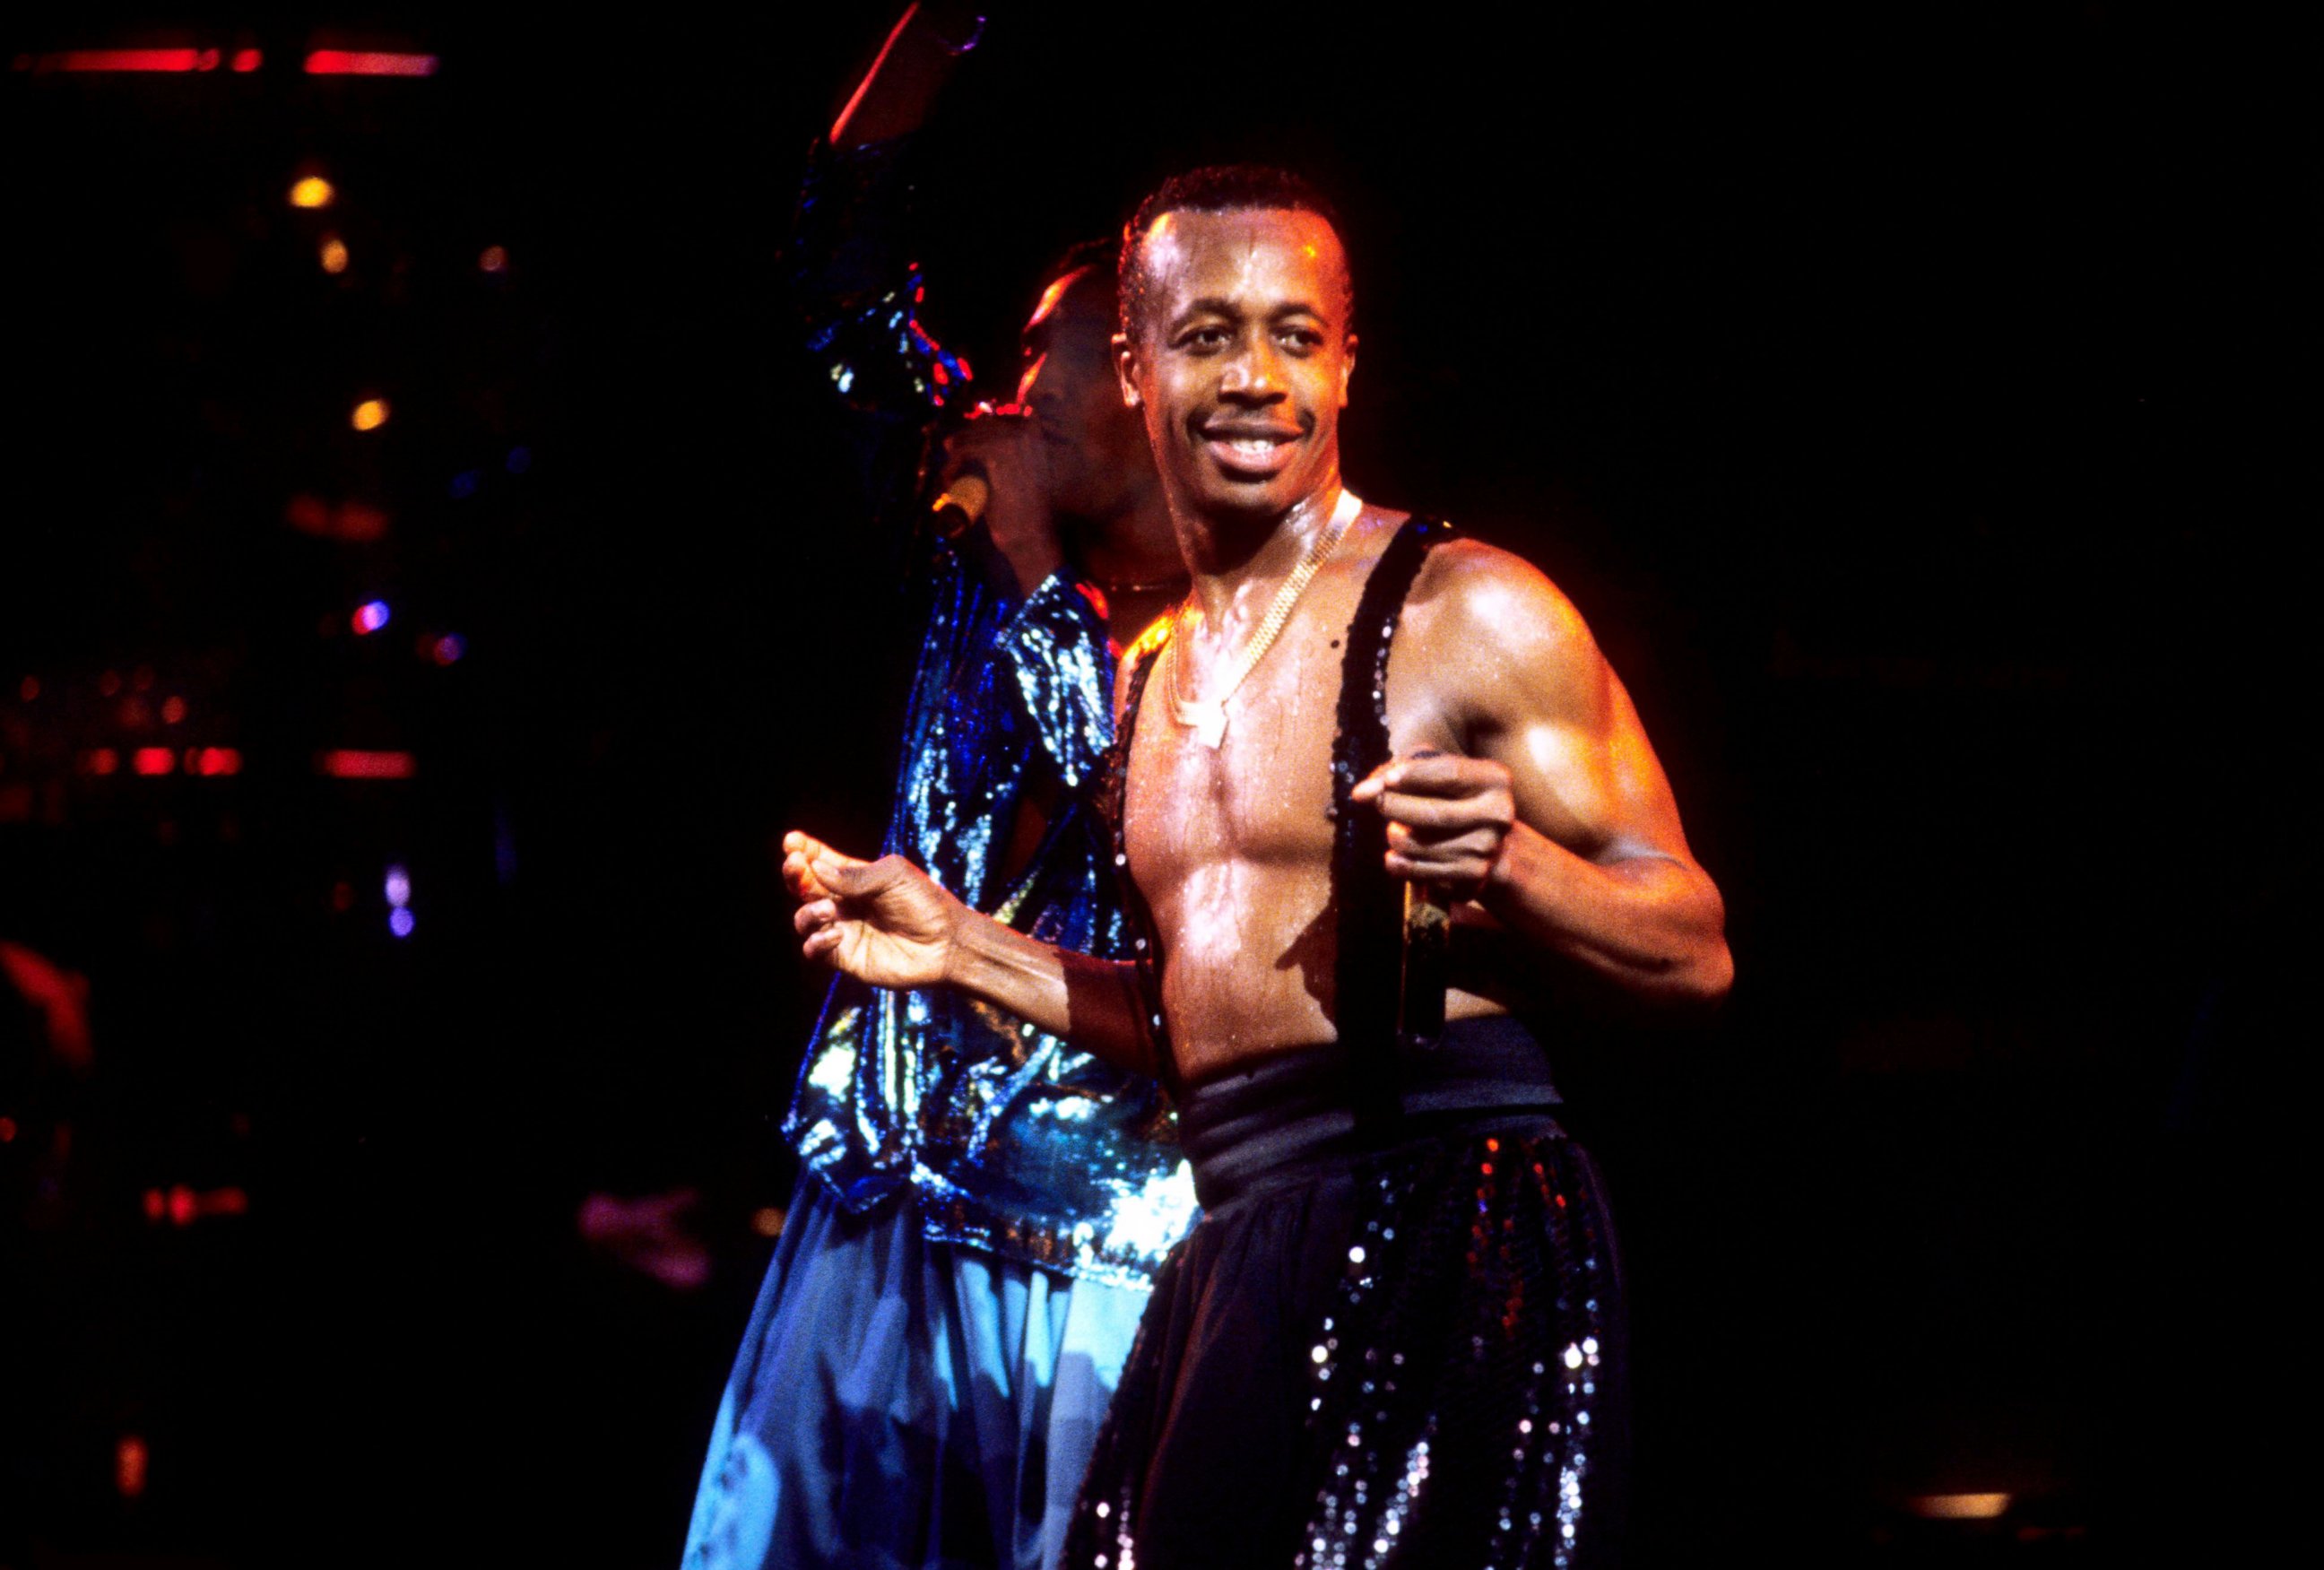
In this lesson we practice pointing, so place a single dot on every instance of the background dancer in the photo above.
(981, 1207)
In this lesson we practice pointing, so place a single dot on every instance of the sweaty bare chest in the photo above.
(1264, 796)
(1263, 799)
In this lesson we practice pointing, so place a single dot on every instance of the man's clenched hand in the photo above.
(885, 922)
(1447, 815)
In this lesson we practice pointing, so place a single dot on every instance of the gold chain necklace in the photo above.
(1207, 717)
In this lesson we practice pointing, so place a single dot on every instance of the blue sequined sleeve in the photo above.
(1057, 652)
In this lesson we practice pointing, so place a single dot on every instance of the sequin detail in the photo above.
(1016, 1143)
(1469, 1343)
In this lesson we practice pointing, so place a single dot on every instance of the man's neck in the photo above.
(1238, 560)
(1133, 555)
(1136, 546)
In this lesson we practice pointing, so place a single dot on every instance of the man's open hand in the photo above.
(1447, 815)
(885, 922)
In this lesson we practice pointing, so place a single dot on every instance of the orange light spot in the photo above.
(1959, 1507)
(313, 191)
(494, 259)
(370, 414)
(334, 254)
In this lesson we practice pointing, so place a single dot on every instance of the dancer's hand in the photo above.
(885, 922)
(1448, 817)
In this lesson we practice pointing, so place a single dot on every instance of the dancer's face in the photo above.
(1096, 446)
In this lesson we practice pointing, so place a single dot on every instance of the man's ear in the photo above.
(1347, 368)
(1125, 367)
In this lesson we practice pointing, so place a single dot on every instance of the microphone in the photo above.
(960, 506)
(1428, 953)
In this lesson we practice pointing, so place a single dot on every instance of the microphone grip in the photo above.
(1427, 952)
(960, 505)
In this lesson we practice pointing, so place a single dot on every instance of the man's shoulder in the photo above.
(1471, 596)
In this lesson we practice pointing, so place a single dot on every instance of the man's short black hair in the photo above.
(1221, 188)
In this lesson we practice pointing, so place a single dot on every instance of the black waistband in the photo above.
(1291, 1108)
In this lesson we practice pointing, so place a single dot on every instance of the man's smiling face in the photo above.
(1239, 356)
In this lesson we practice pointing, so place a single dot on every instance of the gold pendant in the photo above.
(1208, 721)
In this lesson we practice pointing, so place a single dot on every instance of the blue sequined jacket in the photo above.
(1012, 1141)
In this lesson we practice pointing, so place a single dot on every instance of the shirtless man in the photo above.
(1396, 1332)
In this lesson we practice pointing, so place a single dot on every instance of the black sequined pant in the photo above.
(1405, 1353)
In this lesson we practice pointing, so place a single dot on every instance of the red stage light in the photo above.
(129, 1464)
(153, 760)
(7, 1131)
(157, 1206)
(100, 760)
(212, 761)
(349, 763)
(341, 63)
(182, 1206)
(121, 60)
(351, 520)
(247, 60)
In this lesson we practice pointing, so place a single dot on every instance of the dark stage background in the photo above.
(1892, 393)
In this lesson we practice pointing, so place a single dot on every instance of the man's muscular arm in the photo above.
(1554, 814)
(890, 923)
